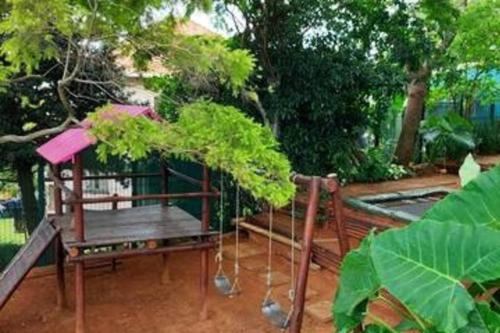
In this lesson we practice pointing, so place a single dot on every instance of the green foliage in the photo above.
(173, 93)
(202, 59)
(35, 28)
(426, 265)
(448, 136)
(478, 32)
(466, 73)
(31, 34)
(8, 186)
(319, 82)
(487, 136)
(366, 165)
(219, 136)
(352, 299)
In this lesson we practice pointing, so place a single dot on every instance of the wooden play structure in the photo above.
(331, 242)
(83, 236)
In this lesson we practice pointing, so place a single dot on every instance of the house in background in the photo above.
(134, 78)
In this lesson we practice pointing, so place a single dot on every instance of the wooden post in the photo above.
(336, 213)
(80, 237)
(164, 182)
(303, 273)
(58, 206)
(58, 247)
(61, 283)
(205, 225)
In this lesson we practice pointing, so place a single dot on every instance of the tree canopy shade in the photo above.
(329, 70)
(32, 104)
(69, 31)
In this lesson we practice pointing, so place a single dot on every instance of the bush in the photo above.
(449, 136)
(367, 165)
(487, 137)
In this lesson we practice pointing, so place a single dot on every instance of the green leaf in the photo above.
(469, 170)
(353, 294)
(375, 328)
(476, 204)
(482, 320)
(219, 136)
(423, 266)
(490, 317)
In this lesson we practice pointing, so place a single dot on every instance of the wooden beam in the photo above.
(187, 195)
(142, 252)
(307, 243)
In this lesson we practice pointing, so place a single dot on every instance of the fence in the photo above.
(12, 229)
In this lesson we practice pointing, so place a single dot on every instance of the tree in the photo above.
(329, 70)
(69, 31)
(33, 103)
(57, 64)
(467, 73)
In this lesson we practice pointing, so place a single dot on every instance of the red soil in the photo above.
(133, 300)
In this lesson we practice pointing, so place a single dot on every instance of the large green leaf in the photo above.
(423, 266)
(489, 317)
(358, 283)
(478, 203)
(482, 320)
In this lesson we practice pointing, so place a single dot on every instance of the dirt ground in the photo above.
(132, 299)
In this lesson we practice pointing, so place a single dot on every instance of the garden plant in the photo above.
(440, 274)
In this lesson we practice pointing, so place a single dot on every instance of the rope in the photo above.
(219, 257)
(270, 249)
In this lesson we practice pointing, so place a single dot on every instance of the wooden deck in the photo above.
(131, 225)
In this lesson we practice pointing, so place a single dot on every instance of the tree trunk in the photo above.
(417, 90)
(25, 182)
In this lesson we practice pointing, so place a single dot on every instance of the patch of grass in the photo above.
(10, 241)
(8, 233)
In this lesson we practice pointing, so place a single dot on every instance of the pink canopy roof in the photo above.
(64, 146)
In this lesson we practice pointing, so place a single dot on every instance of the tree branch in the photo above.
(38, 134)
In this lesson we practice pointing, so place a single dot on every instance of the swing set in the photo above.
(84, 235)
(270, 308)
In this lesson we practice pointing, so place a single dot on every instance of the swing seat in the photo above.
(223, 285)
(273, 312)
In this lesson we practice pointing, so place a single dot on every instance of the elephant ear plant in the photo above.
(442, 273)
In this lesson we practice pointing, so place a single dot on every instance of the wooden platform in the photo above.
(131, 225)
